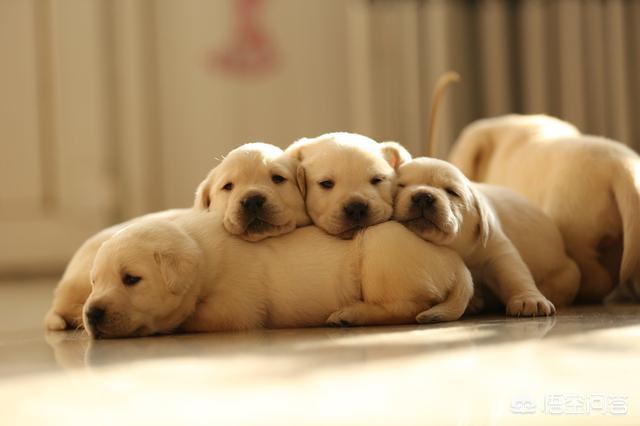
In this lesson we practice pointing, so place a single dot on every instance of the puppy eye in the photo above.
(277, 179)
(227, 186)
(327, 184)
(376, 180)
(451, 192)
(401, 185)
(130, 280)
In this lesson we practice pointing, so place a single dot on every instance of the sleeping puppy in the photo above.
(74, 287)
(347, 180)
(253, 191)
(159, 276)
(589, 186)
(440, 205)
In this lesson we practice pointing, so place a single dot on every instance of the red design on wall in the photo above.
(251, 50)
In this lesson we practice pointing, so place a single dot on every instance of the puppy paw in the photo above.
(54, 322)
(429, 318)
(341, 318)
(530, 306)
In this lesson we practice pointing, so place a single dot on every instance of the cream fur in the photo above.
(588, 186)
(350, 162)
(250, 170)
(460, 216)
(304, 278)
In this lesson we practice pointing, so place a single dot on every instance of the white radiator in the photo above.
(579, 60)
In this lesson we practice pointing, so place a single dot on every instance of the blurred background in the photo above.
(113, 108)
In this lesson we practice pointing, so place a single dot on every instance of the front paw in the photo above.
(530, 306)
(341, 318)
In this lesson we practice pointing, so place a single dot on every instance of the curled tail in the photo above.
(472, 151)
(438, 92)
(627, 195)
(454, 305)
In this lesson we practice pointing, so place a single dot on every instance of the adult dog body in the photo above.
(196, 277)
(588, 186)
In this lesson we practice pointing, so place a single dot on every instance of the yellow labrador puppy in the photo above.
(253, 191)
(347, 180)
(588, 185)
(158, 276)
(440, 205)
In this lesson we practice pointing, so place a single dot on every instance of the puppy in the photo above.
(159, 276)
(255, 191)
(74, 287)
(347, 180)
(588, 185)
(440, 205)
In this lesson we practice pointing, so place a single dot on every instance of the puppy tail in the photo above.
(472, 151)
(454, 305)
(626, 190)
(438, 92)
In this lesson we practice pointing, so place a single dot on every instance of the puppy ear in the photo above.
(177, 269)
(395, 154)
(486, 219)
(301, 179)
(295, 149)
(203, 193)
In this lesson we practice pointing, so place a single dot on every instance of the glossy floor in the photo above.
(578, 368)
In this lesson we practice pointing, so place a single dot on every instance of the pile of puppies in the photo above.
(343, 230)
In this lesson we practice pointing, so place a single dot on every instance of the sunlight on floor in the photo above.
(486, 370)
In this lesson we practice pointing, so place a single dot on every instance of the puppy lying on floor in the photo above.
(588, 185)
(254, 193)
(190, 274)
(439, 204)
(347, 180)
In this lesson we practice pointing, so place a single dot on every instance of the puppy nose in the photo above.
(95, 315)
(356, 211)
(423, 200)
(253, 204)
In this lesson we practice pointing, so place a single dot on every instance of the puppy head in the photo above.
(348, 180)
(142, 281)
(255, 192)
(438, 203)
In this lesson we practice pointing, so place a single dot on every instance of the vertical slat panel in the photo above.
(360, 72)
(633, 53)
(20, 139)
(595, 63)
(81, 98)
(618, 74)
(494, 54)
(534, 57)
(572, 87)
(396, 75)
(435, 59)
(138, 161)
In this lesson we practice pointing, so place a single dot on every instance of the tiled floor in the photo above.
(485, 370)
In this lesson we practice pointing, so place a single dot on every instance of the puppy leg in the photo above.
(364, 313)
(595, 282)
(508, 276)
(561, 286)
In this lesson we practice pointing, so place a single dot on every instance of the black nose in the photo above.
(356, 211)
(95, 315)
(423, 200)
(253, 204)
